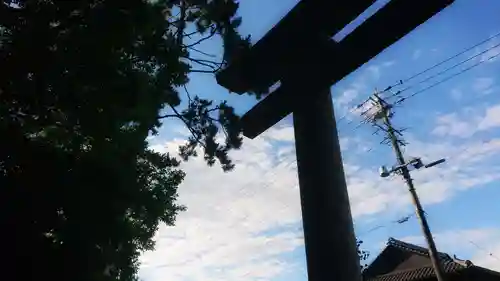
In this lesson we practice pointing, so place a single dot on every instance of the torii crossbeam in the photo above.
(300, 53)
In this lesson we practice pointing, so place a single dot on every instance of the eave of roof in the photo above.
(421, 273)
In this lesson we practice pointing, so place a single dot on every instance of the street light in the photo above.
(415, 162)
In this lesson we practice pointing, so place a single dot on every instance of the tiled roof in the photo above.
(416, 249)
(419, 273)
(450, 265)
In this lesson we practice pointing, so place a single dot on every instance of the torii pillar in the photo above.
(300, 53)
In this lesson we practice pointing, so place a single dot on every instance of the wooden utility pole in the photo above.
(384, 113)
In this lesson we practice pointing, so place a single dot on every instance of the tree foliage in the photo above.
(83, 84)
(362, 254)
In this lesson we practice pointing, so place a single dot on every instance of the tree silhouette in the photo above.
(83, 84)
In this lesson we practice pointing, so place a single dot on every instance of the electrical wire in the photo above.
(429, 87)
(484, 250)
(357, 107)
(447, 78)
(399, 101)
(477, 246)
(441, 62)
(445, 70)
(401, 82)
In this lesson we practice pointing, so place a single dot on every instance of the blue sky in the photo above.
(245, 225)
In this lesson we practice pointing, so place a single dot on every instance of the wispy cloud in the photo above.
(346, 98)
(483, 85)
(388, 63)
(452, 125)
(491, 118)
(220, 236)
(226, 233)
(375, 71)
(456, 94)
(469, 121)
(416, 54)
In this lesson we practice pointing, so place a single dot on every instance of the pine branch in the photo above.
(201, 52)
(212, 33)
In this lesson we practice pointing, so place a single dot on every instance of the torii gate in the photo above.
(300, 53)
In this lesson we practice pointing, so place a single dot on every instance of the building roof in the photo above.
(421, 273)
(451, 265)
(415, 249)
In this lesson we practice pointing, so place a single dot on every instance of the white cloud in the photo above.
(375, 71)
(491, 118)
(452, 125)
(228, 213)
(219, 236)
(283, 133)
(483, 85)
(416, 54)
(468, 165)
(469, 122)
(489, 258)
(456, 94)
(343, 101)
(346, 97)
(389, 63)
(231, 229)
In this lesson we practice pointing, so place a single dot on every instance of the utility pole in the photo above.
(384, 114)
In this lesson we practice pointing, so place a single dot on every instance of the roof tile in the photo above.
(419, 273)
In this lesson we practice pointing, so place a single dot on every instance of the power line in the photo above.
(401, 82)
(448, 78)
(441, 62)
(484, 250)
(427, 88)
(446, 70)
(479, 247)
(425, 80)
(352, 110)
(399, 221)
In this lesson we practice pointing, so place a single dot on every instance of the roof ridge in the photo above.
(415, 248)
(466, 263)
